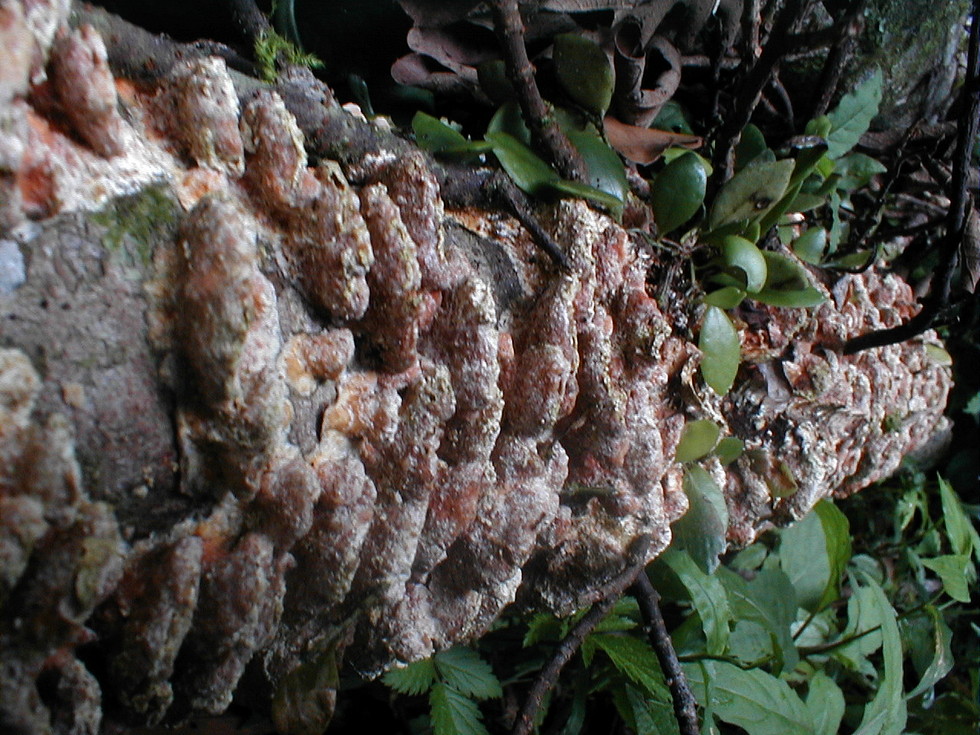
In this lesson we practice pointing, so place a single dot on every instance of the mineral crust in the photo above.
(343, 442)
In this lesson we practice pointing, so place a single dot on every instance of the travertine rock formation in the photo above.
(256, 413)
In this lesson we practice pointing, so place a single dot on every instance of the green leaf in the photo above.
(856, 171)
(584, 72)
(464, 670)
(435, 136)
(814, 553)
(744, 255)
(825, 703)
(942, 659)
(635, 660)
(643, 714)
(963, 536)
(729, 449)
(752, 699)
(750, 193)
(708, 597)
(454, 713)
(751, 145)
(605, 169)
(415, 678)
(787, 284)
(529, 172)
(810, 246)
(769, 600)
(508, 119)
(678, 192)
(697, 440)
(852, 117)
(954, 570)
(671, 117)
(544, 627)
(494, 81)
(725, 298)
(721, 349)
(886, 713)
(702, 530)
(584, 191)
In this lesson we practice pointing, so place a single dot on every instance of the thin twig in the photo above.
(546, 136)
(569, 645)
(851, 28)
(938, 298)
(750, 91)
(685, 705)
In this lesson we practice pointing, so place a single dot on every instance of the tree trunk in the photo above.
(260, 414)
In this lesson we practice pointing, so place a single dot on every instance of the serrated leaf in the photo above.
(643, 714)
(544, 627)
(825, 703)
(852, 117)
(886, 713)
(742, 254)
(635, 660)
(954, 570)
(678, 192)
(727, 297)
(584, 72)
(527, 170)
(708, 597)
(464, 670)
(721, 350)
(810, 246)
(453, 713)
(752, 699)
(750, 193)
(697, 440)
(415, 678)
(942, 659)
(702, 530)
(769, 600)
(963, 536)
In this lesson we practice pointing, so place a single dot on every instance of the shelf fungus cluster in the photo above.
(260, 415)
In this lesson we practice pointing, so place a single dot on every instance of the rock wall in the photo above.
(257, 414)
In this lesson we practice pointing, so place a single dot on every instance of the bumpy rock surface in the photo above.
(256, 414)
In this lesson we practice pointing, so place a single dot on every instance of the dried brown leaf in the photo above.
(644, 145)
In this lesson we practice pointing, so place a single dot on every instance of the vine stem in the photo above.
(956, 218)
(685, 705)
(545, 133)
(570, 644)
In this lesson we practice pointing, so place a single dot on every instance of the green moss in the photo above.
(271, 45)
(135, 223)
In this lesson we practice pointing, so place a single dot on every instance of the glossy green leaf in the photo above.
(708, 596)
(825, 703)
(464, 670)
(529, 172)
(678, 192)
(508, 119)
(787, 283)
(852, 117)
(805, 202)
(453, 713)
(751, 145)
(671, 117)
(857, 259)
(584, 72)
(750, 193)
(725, 298)
(721, 350)
(744, 255)
(604, 167)
(941, 658)
(494, 81)
(416, 678)
(810, 246)
(886, 713)
(729, 449)
(702, 530)
(435, 136)
(697, 440)
(584, 191)
(751, 699)
(954, 571)
(819, 126)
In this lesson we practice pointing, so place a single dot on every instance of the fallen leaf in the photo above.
(644, 145)
(970, 251)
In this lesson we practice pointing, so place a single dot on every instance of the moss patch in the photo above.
(134, 224)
